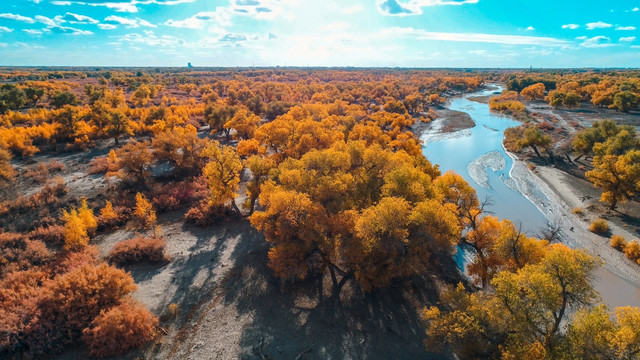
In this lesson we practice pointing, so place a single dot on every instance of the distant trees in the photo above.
(625, 101)
(518, 138)
(11, 98)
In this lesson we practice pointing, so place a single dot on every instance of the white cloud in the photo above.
(598, 25)
(352, 9)
(79, 19)
(474, 37)
(130, 23)
(17, 17)
(130, 7)
(627, 39)
(530, 28)
(570, 26)
(635, 9)
(106, 26)
(414, 7)
(32, 31)
(626, 28)
(49, 22)
(5, 29)
(67, 30)
(201, 19)
(596, 42)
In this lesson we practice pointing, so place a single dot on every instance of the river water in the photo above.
(478, 155)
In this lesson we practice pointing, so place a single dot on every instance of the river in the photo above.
(478, 155)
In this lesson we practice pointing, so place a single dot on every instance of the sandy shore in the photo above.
(448, 124)
(548, 188)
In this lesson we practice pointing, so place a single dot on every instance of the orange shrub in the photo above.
(137, 250)
(120, 329)
(632, 250)
(618, 242)
(51, 235)
(204, 213)
(143, 213)
(599, 226)
(17, 252)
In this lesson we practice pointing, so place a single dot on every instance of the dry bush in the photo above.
(38, 173)
(599, 226)
(49, 194)
(204, 213)
(120, 329)
(111, 217)
(71, 301)
(618, 242)
(18, 252)
(545, 125)
(578, 211)
(55, 166)
(51, 235)
(137, 250)
(99, 165)
(632, 250)
(174, 196)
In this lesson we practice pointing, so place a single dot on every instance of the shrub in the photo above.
(86, 214)
(144, 214)
(205, 213)
(17, 252)
(599, 226)
(618, 242)
(51, 235)
(120, 329)
(71, 301)
(578, 211)
(174, 196)
(632, 250)
(39, 173)
(137, 250)
(99, 165)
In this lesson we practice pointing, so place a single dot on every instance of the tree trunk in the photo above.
(536, 150)
(116, 140)
(235, 207)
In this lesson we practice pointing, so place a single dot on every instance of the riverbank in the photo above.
(448, 123)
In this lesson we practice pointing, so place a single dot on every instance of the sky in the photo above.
(361, 33)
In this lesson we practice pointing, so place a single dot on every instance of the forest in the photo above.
(309, 189)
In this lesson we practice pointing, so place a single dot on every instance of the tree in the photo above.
(526, 316)
(219, 114)
(62, 98)
(532, 92)
(572, 100)
(618, 176)
(11, 98)
(244, 123)
(519, 138)
(556, 98)
(131, 162)
(117, 125)
(141, 96)
(143, 212)
(75, 231)
(625, 101)
(181, 147)
(223, 173)
(33, 95)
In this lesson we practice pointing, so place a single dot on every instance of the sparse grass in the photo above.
(599, 226)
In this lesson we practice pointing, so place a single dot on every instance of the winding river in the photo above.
(478, 155)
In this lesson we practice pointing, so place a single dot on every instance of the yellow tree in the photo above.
(143, 212)
(244, 123)
(617, 176)
(532, 92)
(75, 231)
(223, 173)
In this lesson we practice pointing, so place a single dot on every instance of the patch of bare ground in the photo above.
(448, 121)
(231, 306)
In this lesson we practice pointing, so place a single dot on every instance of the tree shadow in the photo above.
(287, 319)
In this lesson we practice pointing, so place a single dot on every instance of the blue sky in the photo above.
(405, 33)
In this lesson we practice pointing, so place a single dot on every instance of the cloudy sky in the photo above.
(405, 33)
